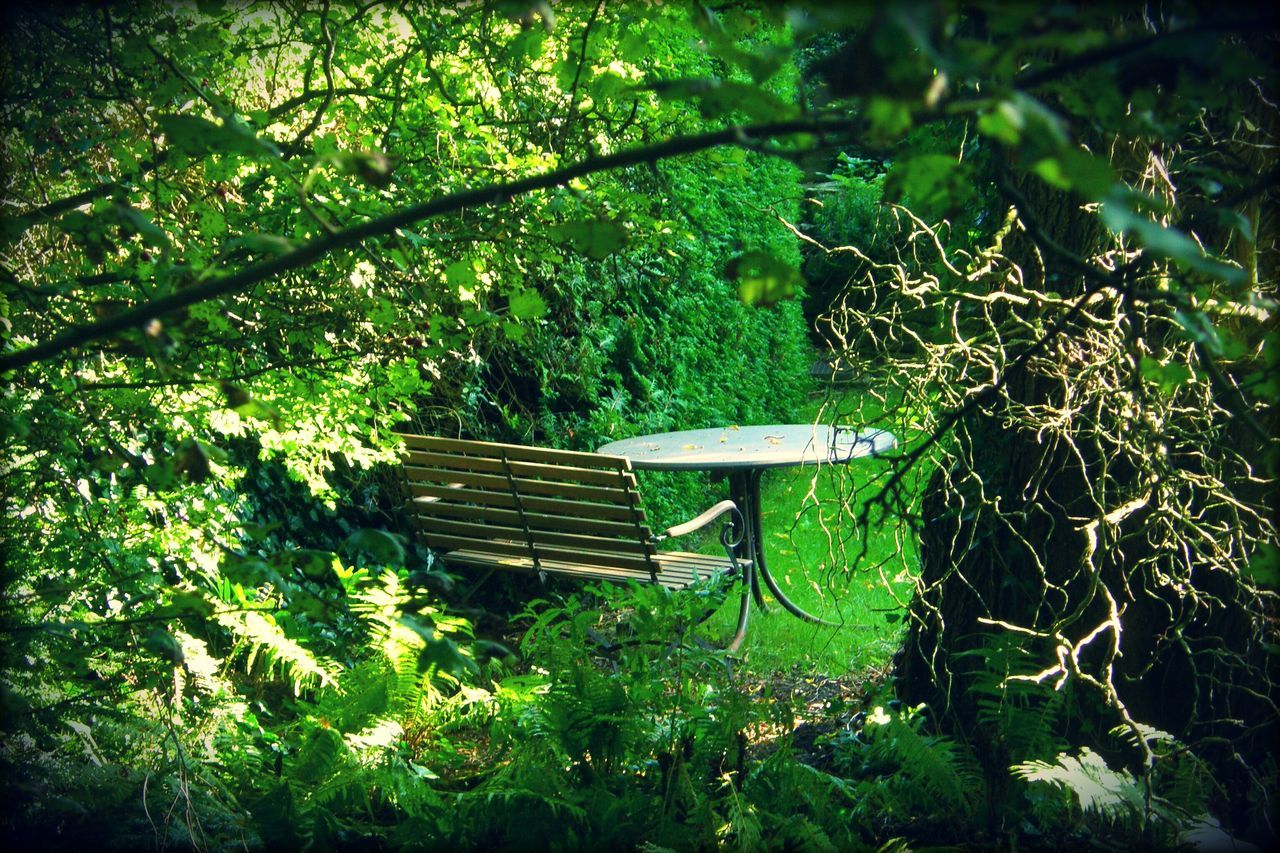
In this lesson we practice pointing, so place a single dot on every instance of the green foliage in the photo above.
(200, 502)
(1029, 719)
(1075, 789)
(244, 243)
(1067, 220)
(899, 773)
(906, 774)
(632, 731)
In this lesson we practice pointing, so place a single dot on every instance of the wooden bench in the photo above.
(505, 506)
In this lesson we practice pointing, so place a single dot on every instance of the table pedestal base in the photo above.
(744, 490)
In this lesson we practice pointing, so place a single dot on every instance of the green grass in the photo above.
(813, 550)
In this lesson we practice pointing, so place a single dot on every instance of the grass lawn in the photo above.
(812, 548)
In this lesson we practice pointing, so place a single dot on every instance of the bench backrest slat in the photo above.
(579, 509)
(533, 470)
(529, 502)
(623, 493)
(514, 452)
(509, 517)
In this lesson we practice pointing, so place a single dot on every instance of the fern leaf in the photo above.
(263, 639)
(1097, 788)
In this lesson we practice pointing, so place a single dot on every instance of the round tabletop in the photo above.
(773, 446)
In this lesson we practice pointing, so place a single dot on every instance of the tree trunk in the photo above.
(1036, 530)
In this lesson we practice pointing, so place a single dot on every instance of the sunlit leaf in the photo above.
(257, 410)
(759, 61)
(140, 223)
(527, 305)
(185, 603)
(1041, 131)
(890, 118)
(313, 562)
(1167, 242)
(527, 45)
(933, 185)
(1004, 123)
(164, 645)
(89, 233)
(1168, 376)
(193, 457)
(1238, 221)
(461, 273)
(1073, 168)
(1263, 566)
(372, 167)
(251, 572)
(442, 654)
(755, 102)
(267, 244)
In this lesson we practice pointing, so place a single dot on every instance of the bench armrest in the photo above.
(703, 520)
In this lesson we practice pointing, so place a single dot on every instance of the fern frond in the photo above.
(1096, 787)
(937, 763)
(381, 607)
(260, 638)
(318, 756)
(1026, 714)
(1181, 779)
(742, 828)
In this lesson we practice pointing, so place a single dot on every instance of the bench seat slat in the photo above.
(632, 562)
(504, 548)
(680, 572)
(603, 560)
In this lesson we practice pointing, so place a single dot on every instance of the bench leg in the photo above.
(471, 590)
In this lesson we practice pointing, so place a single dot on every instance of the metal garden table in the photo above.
(742, 454)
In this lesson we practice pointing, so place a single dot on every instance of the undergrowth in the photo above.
(612, 724)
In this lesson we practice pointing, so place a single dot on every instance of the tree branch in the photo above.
(327, 66)
(977, 399)
(1112, 52)
(19, 224)
(1098, 279)
(572, 111)
(483, 197)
